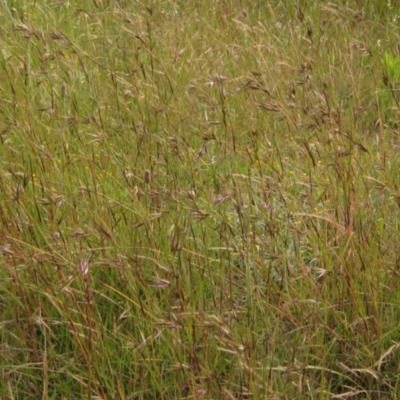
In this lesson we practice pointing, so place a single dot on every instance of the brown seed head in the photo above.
(147, 176)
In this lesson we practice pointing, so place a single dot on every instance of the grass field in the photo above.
(199, 200)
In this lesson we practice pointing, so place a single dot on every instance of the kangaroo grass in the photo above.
(199, 200)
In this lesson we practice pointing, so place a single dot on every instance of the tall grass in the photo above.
(199, 200)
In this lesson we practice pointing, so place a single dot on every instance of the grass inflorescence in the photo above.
(199, 200)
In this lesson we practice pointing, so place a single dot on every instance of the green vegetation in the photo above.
(390, 96)
(199, 200)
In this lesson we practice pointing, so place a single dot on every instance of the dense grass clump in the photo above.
(199, 200)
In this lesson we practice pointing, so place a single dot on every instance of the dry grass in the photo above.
(199, 201)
